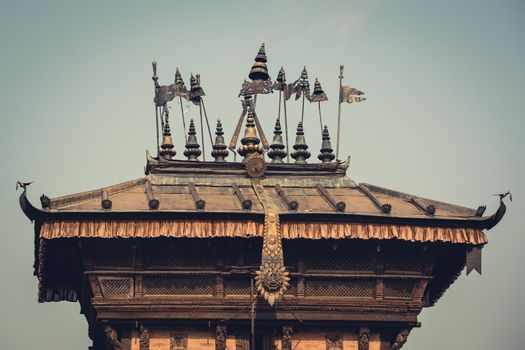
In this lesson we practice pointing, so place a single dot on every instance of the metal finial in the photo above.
(304, 74)
(259, 69)
(154, 66)
(194, 83)
(281, 76)
(301, 148)
(178, 78)
(219, 147)
(250, 141)
(317, 87)
(277, 152)
(192, 151)
(327, 153)
(167, 149)
(196, 90)
(318, 94)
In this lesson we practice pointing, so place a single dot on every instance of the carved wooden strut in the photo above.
(272, 279)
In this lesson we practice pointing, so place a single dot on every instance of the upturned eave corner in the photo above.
(31, 212)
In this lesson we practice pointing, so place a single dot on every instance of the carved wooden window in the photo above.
(115, 252)
(398, 289)
(237, 286)
(339, 255)
(177, 252)
(115, 287)
(356, 288)
(177, 285)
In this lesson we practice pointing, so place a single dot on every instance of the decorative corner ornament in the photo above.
(256, 166)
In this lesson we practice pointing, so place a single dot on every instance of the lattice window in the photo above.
(166, 252)
(404, 260)
(290, 253)
(253, 252)
(237, 286)
(340, 288)
(338, 255)
(339, 260)
(115, 287)
(178, 285)
(115, 252)
(292, 289)
(399, 289)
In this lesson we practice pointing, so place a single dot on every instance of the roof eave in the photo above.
(486, 222)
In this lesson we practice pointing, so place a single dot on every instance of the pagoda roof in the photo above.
(305, 194)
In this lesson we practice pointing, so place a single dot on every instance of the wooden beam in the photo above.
(291, 204)
(338, 206)
(429, 210)
(199, 202)
(105, 202)
(385, 208)
(153, 203)
(246, 204)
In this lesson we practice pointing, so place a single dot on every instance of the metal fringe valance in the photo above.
(252, 228)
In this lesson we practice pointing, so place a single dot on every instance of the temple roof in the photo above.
(212, 190)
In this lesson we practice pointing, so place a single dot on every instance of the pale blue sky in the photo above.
(444, 119)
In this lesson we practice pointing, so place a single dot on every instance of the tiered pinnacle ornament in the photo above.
(250, 141)
(192, 151)
(259, 69)
(167, 149)
(277, 152)
(302, 88)
(318, 96)
(196, 92)
(260, 79)
(219, 148)
(327, 153)
(301, 153)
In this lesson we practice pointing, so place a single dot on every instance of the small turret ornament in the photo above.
(192, 151)
(260, 79)
(167, 150)
(196, 91)
(277, 152)
(219, 148)
(250, 142)
(327, 153)
(259, 69)
(301, 153)
(252, 150)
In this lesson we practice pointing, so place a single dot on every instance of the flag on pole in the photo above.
(351, 95)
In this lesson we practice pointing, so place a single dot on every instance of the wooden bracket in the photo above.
(105, 202)
(199, 202)
(383, 207)
(429, 210)
(338, 206)
(291, 204)
(245, 203)
(153, 203)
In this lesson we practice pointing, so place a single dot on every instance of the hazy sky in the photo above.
(444, 119)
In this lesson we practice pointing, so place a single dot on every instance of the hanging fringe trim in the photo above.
(247, 229)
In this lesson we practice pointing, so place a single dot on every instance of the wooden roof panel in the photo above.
(133, 200)
(316, 195)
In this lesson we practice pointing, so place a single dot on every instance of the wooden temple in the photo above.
(258, 254)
